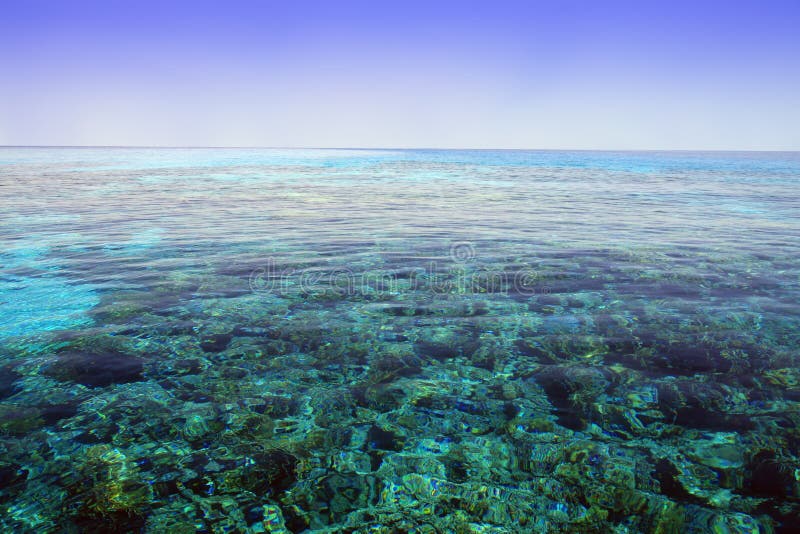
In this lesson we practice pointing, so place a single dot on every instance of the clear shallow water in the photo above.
(491, 341)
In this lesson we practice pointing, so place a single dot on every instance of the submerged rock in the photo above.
(571, 390)
(8, 381)
(699, 404)
(769, 476)
(117, 522)
(104, 488)
(20, 420)
(269, 473)
(380, 439)
(215, 342)
(96, 369)
(722, 452)
(11, 474)
(671, 485)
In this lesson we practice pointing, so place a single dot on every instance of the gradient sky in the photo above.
(507, 74)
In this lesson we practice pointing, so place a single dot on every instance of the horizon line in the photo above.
(259, 147)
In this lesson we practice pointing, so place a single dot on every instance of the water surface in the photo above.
(253, 340)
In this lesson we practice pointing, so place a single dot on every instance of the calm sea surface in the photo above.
(253, 340)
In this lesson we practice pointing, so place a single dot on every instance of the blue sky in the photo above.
(499, 74)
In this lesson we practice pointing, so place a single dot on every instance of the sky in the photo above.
(558, 74)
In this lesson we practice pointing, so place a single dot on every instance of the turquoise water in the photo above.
(252, 340)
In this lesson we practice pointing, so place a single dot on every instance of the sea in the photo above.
(220, 340)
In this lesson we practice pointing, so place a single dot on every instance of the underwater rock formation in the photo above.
(96, 369)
